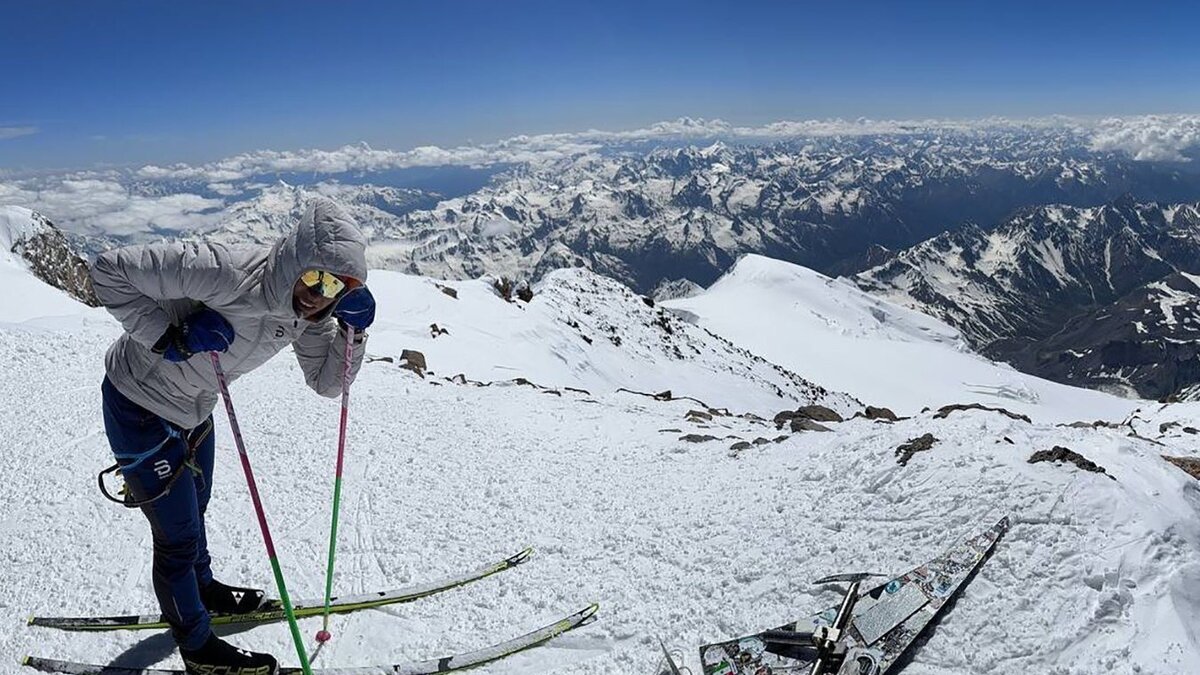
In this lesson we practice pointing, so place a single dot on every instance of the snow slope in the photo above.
(585, 331)
(27, 297)
(830, 332)
(688, 541)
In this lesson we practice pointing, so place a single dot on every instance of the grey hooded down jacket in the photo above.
(150, 287)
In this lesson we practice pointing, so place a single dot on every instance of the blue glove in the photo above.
(356, 308)
(202, 331)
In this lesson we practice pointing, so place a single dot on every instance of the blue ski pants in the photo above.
(150, 451)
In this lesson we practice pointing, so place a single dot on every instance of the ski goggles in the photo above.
(324, 283)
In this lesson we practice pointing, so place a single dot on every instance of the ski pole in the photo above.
(258, 509)
(323, 635)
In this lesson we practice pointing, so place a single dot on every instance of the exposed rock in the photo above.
(805, 424)
(741, 445)
(1189, 464)
(914, 445)
(1092, 425)
(819, 413)
(413, 360)
(52, 259)
(786, 417)
(780, 439)
(761, 441)
(698, 416)
(435, 330)
(1191, 430)
(945, 411)
(670, 431)
(697, 438)
(448, 291)
(664, 396)
(874, 413)
(1061, 454)
(503, 287)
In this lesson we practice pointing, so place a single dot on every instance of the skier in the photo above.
(177, 302)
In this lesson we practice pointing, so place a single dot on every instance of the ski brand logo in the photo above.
(279, 331)
(213, 669)
(237, 596)
(162, 468)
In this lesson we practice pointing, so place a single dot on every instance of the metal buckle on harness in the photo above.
(195, 437)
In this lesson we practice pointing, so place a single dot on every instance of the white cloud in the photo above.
(1149, 138)
(16, 132)
(94, 204)
(549, 147)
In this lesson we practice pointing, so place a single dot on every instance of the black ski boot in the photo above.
(218, 657)
(221, 599)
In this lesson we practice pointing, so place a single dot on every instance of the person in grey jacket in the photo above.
(177, 302)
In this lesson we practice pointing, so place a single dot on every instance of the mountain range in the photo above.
(1033, 243)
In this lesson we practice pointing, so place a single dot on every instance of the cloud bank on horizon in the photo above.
(94, 201)
(1147, 138)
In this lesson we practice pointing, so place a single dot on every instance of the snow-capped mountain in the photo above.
(665, 218)
(1092, 296)
(676, 213)
(28, 240)
(830, 331)
(649, 213)
(685, 525)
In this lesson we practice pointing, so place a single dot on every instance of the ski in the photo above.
(442, 665)
(272, 610)
(867, 634)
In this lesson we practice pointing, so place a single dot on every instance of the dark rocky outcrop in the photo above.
(411, 359)
(945, 411)
(905, 452)
(1189, 464)
(1061, 454)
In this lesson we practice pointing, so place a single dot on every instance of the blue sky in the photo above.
(130, 82)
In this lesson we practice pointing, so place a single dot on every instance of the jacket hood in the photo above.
(326, 238)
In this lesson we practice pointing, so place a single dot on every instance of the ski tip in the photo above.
(521, 557)
(25, 660)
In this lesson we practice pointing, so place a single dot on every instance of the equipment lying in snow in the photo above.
(668, 663)
(868, 633)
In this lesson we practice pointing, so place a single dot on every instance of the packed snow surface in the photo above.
(690, 542)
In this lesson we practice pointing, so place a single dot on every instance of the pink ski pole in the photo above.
(323, 635)
(262, 517)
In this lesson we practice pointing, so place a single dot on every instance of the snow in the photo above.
(1169, 299)
(688, 541)
(830, 332)
(28, 299)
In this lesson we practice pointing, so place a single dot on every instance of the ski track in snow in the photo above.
(685, 541)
